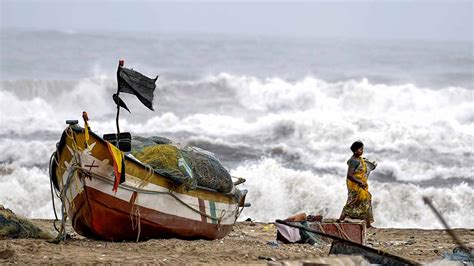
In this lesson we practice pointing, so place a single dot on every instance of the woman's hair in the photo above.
(356, 145)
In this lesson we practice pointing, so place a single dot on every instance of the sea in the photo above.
(280, 112)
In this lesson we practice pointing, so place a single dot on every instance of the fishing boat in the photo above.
(139, 203)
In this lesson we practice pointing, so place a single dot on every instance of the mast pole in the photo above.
(117, 118)
(121, 63)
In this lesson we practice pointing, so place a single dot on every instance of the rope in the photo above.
(144, 191)
(62, 232)
(223, 212)
(54, 156)
(24, 229)
(52, 193)
(139, 190)
(342, 232)
(321, 228)
(71, 170)
(196, 210)
(135, 212)
(146, 180)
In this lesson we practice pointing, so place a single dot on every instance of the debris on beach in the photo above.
(345, 246)
(466, 257)
(461, 252)
(331, 260)
(353, 231)
(13, 226)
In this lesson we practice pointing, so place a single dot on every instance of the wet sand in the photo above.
(248, 243)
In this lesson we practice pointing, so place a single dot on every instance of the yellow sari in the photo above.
(359, 200)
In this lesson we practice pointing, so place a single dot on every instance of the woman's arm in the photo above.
(350, 176)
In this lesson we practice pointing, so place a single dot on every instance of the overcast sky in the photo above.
(444, 20)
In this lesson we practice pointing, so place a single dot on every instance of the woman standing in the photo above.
(359, 200)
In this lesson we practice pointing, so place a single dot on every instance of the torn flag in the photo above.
(133, 82)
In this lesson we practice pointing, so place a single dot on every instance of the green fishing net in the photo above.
(186, 165)
(164, 158)
(13, 226)
(207, 169)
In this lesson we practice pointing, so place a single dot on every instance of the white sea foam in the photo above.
(26, 153)
(26, 191)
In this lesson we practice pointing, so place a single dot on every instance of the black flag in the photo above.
(118, 101)
(130, 81)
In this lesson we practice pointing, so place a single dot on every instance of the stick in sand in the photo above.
(445, 224)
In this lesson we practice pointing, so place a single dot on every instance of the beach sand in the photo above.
(248, 243)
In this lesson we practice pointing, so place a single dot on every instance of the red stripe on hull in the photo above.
(202, 209)
(102, 216)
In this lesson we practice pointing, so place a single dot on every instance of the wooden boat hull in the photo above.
(147, 205)
(103, 216)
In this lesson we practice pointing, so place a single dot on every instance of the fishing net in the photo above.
(164, 159)
(207, 169)
(187, 165)
(12, 226)
(138, 142)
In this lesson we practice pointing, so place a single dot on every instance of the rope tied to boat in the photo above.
(135, 215)
(146, 180)
(72, 169)
(71, 172)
